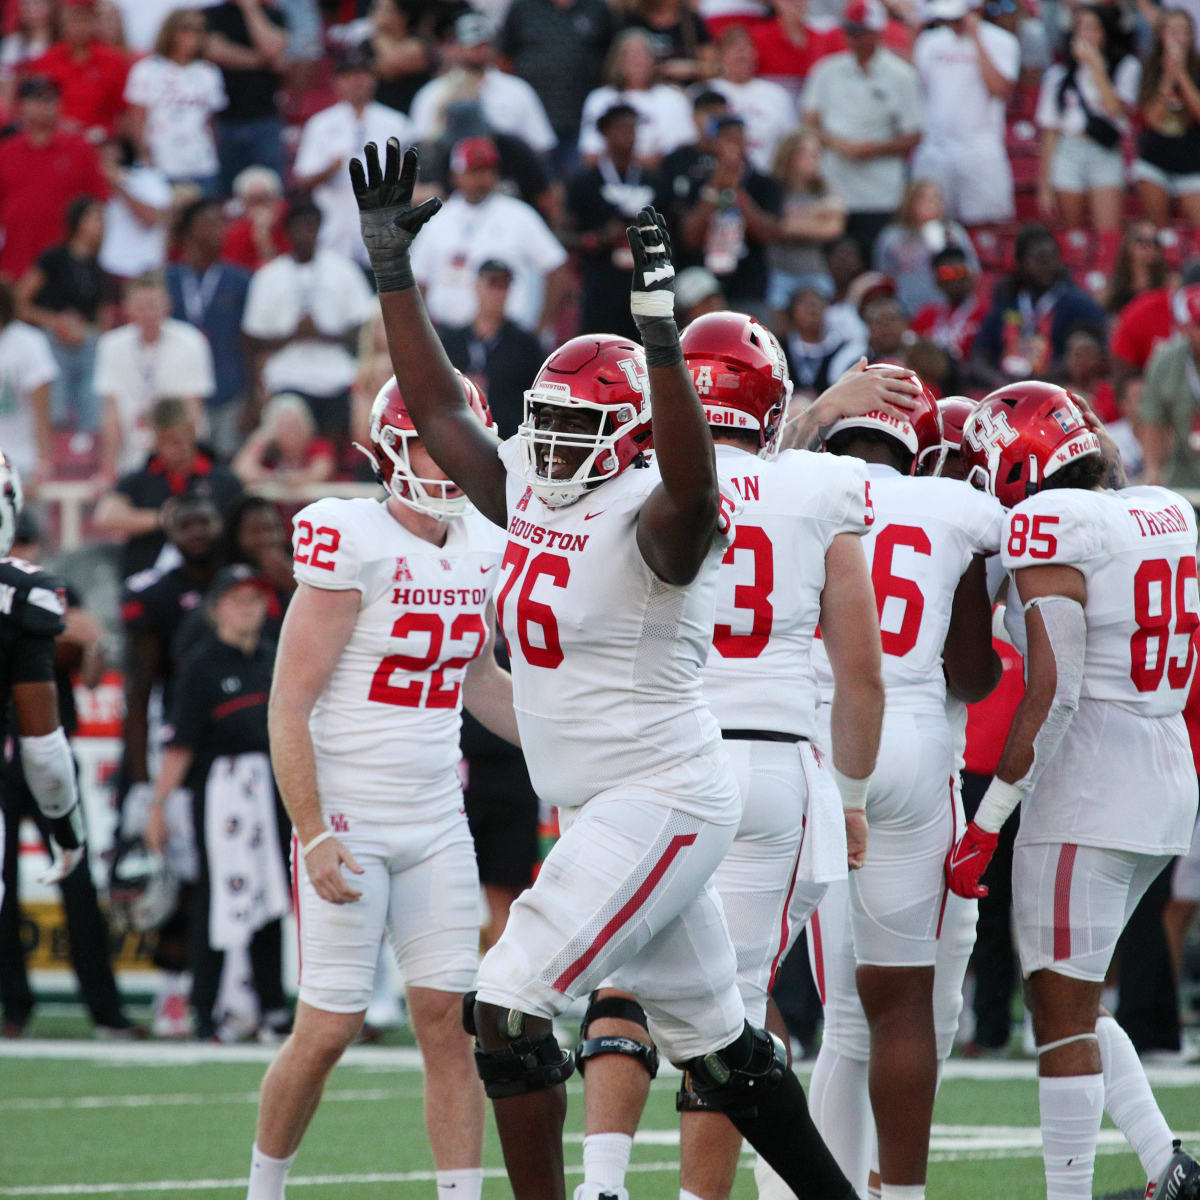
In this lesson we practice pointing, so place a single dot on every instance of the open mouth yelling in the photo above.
(553, 466)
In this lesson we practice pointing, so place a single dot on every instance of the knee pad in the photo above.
(618, 1008)
(468, 1013)
(687, 1099)
(732, 1079)
(526, 1064)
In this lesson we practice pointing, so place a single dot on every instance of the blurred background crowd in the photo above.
(190, 342)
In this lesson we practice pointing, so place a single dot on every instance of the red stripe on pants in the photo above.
(1062, 902)
(626, 911)
(784, 927)
(818, 963)
(953, 843)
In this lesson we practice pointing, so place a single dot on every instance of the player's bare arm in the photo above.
(679, 518)
(972, 666)
(850, 631)
(315, 631)
(447, 427)
(487, 690)
(885, 389)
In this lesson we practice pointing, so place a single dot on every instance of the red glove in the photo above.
(967, 861)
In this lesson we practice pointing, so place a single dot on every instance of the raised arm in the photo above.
(679, 518)
(445, 423)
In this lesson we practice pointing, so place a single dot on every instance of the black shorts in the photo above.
(502, 811)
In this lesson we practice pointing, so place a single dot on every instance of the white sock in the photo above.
(1072, 1107)
(606, 1159)
(1129, 1101)
(684, 1194)
(902, 1191)
(268, 1176)
(840, 1103)
(464, 1184)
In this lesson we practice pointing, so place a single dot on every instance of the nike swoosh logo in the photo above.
(485, 570)
(589, 516)
(958, 861)
(653, 276)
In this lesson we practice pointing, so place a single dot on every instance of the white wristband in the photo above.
(999, 629)
(653, 304)
(853, 791)
(321, 837)
(997, 805)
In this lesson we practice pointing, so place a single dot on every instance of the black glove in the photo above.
(385, 213)
(652, 298)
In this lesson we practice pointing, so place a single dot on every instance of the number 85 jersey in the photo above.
(385, 730)
(1136, 549)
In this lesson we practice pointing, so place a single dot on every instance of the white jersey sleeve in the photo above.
(325, 552)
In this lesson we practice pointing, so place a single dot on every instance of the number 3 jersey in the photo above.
(606, 657)
(759, 673)
(925, 533)
(385, 729)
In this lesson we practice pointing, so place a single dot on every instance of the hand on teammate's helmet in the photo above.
(967, 861)
(653, 271)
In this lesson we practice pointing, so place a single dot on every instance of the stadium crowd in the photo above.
(981, 194)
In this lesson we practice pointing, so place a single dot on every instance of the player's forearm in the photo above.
(684, 446)
(972, 666)
(295, 766)
(488, 697)
(855, 720)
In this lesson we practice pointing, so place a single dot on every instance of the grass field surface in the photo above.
(145, 1121)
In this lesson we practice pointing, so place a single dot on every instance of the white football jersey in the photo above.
(759, 673)
(925, 533)
(1136, 548)
(385, 729)
(606, 657)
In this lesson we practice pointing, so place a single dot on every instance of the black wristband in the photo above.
(660, 338)
(395, 275)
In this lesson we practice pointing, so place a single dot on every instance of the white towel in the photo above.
(823, 854)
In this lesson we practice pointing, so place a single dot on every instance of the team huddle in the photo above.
(740, 671)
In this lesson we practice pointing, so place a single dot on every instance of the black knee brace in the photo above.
(687, 1099)
(731, 1080)
(526, 1064)
(618, 1008)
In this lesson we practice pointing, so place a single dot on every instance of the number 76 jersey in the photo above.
(1136, 549)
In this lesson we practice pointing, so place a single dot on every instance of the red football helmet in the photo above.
(1019, 435)
(920, 433)
(740, 374)
(392, 430)
(599, 373)
(953, 410)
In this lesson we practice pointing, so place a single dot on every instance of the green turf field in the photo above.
(152, 1120)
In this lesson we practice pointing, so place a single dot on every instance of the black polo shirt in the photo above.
(153, 485)
(503, 367)
(251, 92)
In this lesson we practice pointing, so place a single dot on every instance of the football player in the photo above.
(386, 637)
(1103, 604)
(606, 600)
(875, 942)
(32, 608)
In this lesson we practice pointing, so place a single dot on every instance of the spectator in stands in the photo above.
(285, 447)
(1086, 372)
(152, 357)
(968, 68)
(697, 291)
(303, 314)
(173, 95)
(904, 250)
(812, 215)
(789, 47)
(257, 234)
(42, 169)
(730, 218)
(681, 43)
(136, 215)
(1018, 18)
(402, 55)
(953, 320)
(844, 259)
(255, 535)
(1082, 110)
(1144, 323)
(1140, 266)
(631, 77)
(110, 26)
(1025, 334)
(247, 40)
(888, 335)
(374, 370)
(36, 30)
(1168, 162)
(602, 200)
(27, 371)
(90, 75)
(210, 293)
(817, 354)
(132, 512)
(558, 47)
(1170, 401)
(478, 223)
(500, 356)
(769, 110)
(865, 106)
(328, 140)
(509, 103)
(1126, 429)
(68, 295)
(692, 162)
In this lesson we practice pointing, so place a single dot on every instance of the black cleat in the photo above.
(1180, 1180)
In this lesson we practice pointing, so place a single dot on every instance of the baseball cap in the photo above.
(36, 86)
(946, 10)
(357, 57)
(694, 284)
(865, 15)
(1186, 305)
(472, 29)
(474, 153)
(227, 578)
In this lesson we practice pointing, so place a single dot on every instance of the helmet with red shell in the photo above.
(1020, 435)
(391, 432)
(599, 373)
(954, 411)
(740, 373)
(920, 432)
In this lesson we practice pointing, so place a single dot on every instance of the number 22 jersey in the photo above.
(385, 730)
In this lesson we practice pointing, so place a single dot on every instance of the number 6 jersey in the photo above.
(385, 729)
